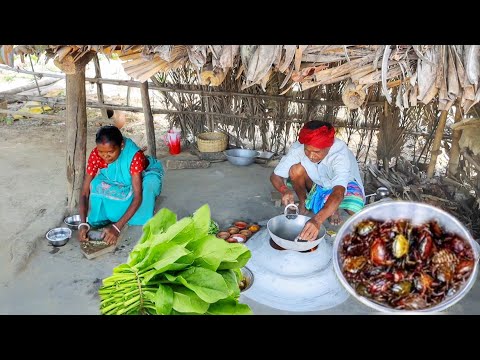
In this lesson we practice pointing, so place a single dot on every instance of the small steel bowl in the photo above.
(247, 280)
(58, 236)
(73, 221)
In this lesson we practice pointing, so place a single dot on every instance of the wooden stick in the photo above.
(98, 75)
(129, 88)
(455, 151)
(436, 144)
(466, 123)
(471, 160)
(147, 112)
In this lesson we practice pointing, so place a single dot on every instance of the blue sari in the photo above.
(111, 190)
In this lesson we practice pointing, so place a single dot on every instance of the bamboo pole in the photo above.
(98, 75)
(436, 144)
(455, 150)
(147, 112)
(129, 89)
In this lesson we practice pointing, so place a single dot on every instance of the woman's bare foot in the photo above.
(335, 219)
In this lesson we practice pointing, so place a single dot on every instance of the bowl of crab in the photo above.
(401, 256)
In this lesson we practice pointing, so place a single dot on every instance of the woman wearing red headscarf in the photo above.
(323, 173)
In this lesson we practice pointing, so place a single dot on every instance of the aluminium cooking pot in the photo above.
(284, 230)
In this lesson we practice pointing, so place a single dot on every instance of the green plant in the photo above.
(177, 268)
(8, 78)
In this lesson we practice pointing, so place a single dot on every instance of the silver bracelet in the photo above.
(116, 228)
(84, 224)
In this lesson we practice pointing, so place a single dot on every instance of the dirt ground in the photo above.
(36, 278)
(61, 280)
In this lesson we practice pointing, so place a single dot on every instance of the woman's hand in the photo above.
(110, 235)
(310, 230)
(82, 234)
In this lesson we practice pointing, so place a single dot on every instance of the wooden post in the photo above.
(384, 119)
(147, 112)
(129, 88)
(455, 151)
(210, 122)
(98, 75)
(436, 144)
(76, 124)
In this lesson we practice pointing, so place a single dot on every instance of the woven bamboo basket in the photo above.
(212, 142)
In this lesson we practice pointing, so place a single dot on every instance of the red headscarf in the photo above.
(320, 138)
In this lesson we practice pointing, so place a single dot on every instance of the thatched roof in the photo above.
(408, 73)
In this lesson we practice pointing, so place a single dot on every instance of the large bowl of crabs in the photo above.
(402, 257)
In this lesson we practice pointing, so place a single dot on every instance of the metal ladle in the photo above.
(381, 192)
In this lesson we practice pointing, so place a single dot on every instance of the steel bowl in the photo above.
(247, 277)
(58, 236)
(284, 230)
(73, 221)
(241, 157)
(416, 213)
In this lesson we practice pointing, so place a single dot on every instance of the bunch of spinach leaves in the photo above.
(177, 268)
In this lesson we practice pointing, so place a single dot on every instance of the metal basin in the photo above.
(416, 213)
(73, 221)
(284, 230)
(241, 157)
(58, 236)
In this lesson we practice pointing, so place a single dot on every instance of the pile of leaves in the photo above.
(177, 267)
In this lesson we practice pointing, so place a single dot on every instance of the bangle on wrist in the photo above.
(116, 228)
(84, 224)
(283, 188)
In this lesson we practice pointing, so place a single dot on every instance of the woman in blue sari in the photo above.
(120, 185)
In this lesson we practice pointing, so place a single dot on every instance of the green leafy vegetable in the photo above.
(178, 267)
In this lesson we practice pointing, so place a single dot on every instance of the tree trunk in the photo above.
(436, 144)
(455, 151)
(76, 124)
(147, 112)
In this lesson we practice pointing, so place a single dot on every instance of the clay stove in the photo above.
(290, 280)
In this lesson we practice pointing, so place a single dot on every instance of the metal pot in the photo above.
(241, 157)
(73, 221)
(284, 230)
(417, 213)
